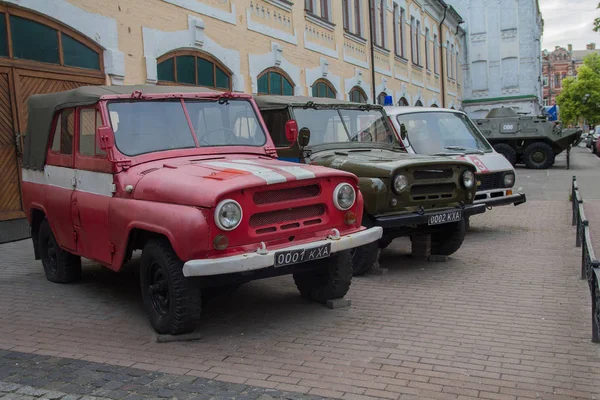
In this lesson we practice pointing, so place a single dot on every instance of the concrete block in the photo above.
(338, 303)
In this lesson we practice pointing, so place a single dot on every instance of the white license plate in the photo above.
(290, 257)
(445, 217)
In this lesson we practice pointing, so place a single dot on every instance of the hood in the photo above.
(202, 182)
(378, 163)
(487, 163)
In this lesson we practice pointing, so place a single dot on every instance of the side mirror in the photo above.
(304, 137)
(105, 137)
(291, 131)
(403, 131)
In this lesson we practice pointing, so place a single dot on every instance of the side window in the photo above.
(89, 120)
(275, 121)
(63, 132)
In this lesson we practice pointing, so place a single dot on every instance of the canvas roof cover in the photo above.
(42, 108)
(280, 102)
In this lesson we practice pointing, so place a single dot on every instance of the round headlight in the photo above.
(400, 183)
(344, 196)
(468, 178)
(228, 214)
(509, 180)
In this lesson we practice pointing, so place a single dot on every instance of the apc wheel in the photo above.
(172, 304)
(331, 280)
(507, 151)
(448, 240)
(538, 155)
(60, 266)
(364, 258)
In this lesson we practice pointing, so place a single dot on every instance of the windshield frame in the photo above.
(471, 129)
(395, 145)
(198, 147)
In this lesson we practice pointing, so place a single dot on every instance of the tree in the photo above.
(580, 97)
(597, 22)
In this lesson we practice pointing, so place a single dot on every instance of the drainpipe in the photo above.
(372, 48)
(443, 78)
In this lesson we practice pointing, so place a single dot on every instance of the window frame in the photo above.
(283, 75)
(346, 15)
(357, 18)
(329, 86)
(56, 158)
(309, 6)
(361, 93)
(382, 96)
(427, 63)
(97, 162)
(436, 69)
(60, 29)
(196, 54)
(382, 28)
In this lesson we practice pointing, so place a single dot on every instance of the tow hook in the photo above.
(262, 250)
(335, 234)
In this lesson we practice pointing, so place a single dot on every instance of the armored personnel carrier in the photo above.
(531, 140)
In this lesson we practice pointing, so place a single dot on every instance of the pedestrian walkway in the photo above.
(506, 317)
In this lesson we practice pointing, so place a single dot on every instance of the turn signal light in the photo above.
(509, 192)
(350, 218)
(221, 242)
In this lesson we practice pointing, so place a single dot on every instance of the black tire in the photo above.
(330, 280)
(60, 266)
(538, 155)
(172, 303)
(364, 258)
(384, 243)
(447, 241)
(507, 151)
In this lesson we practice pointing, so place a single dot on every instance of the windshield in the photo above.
(344, 126)
(441, 132)
(147, 126)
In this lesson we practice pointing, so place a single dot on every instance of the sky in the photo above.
(569, 21)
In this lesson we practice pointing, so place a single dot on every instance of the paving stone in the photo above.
(7, 387)
(29, 391)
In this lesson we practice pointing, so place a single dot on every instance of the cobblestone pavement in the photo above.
(506, 317)
(30, 376)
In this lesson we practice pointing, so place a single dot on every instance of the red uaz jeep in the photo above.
(190, 178)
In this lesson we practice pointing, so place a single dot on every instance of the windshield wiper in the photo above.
(446, 153)
(467, 150)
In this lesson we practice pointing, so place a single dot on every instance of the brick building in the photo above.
(559, 64)
(310, 47)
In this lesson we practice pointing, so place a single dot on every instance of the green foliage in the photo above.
(580, 97)
(597, 22)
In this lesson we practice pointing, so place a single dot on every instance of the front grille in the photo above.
(287, 215)
(433, 173)
(426, 190)
(276, 196)
(490, 181)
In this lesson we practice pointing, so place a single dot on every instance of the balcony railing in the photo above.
(590, 266)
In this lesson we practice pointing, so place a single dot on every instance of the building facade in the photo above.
(558, 65)
(503, 64)
(302, 47)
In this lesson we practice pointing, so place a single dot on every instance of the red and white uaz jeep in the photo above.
(190, 178)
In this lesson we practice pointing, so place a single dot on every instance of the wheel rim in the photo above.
(159, 290)
(51, 251)
(538, 157)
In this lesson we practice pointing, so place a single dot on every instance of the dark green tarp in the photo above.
(42, 108)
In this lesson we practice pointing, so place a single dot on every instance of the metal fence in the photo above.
(590, 266)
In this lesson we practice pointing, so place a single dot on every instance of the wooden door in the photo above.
(10, 200)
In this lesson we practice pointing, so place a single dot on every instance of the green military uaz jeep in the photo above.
(428, 197)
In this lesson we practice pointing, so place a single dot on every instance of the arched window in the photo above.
(357, 95)
(275, 81)
(26, 36)
(189, 67)
(434, 105)
(452, 108)
(418, 103)
(323, 88)
(403, 102)
(381, 98)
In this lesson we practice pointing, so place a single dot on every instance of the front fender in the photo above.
(375, 193)
(185, 227)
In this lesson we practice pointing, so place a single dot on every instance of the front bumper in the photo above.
(515, 199)
(266, 258)
(398, 221)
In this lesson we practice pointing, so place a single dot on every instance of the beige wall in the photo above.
(167, 21)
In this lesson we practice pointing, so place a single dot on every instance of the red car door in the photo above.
(93, 190)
